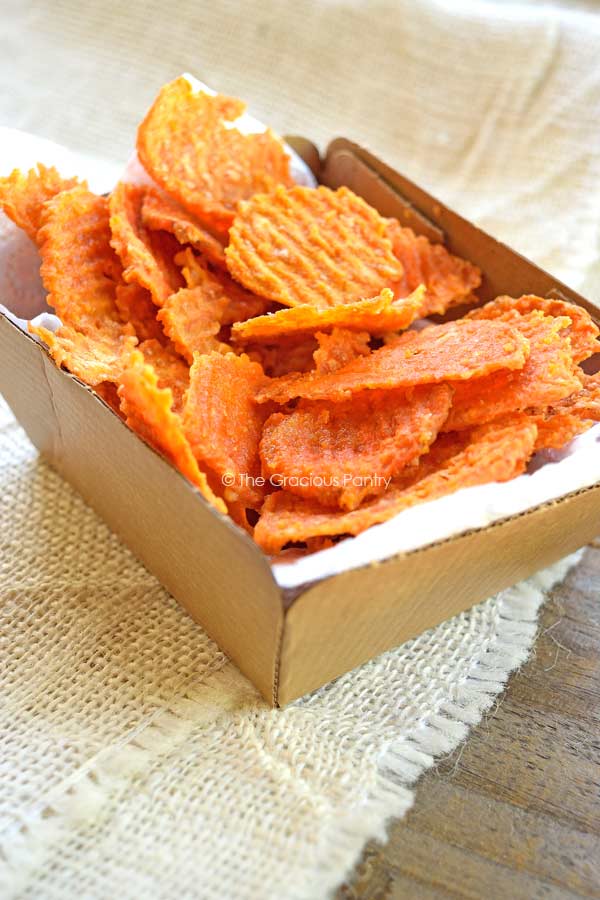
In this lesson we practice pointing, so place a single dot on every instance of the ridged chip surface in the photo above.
(455, 351)
(148, 410)
(448, 279)
(315, 247)
(377, 316)
(189, 145)
(223, 423)
(23, 195)
(494, 453)
(340, 453)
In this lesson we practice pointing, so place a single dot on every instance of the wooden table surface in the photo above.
(515, 812)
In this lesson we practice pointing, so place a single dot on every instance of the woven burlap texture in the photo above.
(135, 760)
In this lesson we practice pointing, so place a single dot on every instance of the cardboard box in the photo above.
(289, 642)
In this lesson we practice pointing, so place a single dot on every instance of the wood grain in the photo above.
(515, 812)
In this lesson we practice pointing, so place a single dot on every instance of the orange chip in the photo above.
(341, 453)
(191, 319)
(22, 197)
(454, 351)
(582, 331)
(339, 348)
(315, 247)
(79, 268)
(449, 279)
(189, 147)
(548, 375)
(147, 256)
(558, 424)
(95, 357)
(223, 423)
(148, 411)
(377, 316)
(162, 213)
(170, 369)
(194, 316)
(240, 305)
(289, 354)
(496, 453)
(135, 306)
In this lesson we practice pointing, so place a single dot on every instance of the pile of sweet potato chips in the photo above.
(260, 334)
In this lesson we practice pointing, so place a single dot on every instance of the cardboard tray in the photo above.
(290, 642)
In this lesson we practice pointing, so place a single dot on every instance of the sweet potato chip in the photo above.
(191, 320)
(341, 453)
(223, 423)
(170, 369)
(558, 424)
(148, 411)
(339, 348)
(582, 331)
(455, 351)
(22, 197)
(315, 247)
(548, 375)
(495, 453)
(147, 257)
(449, 280)
(240, 305)
(79, 268)
(289, 354)
(193, 316)
(162, 213)
(377, 316)
(95, 357)
(190, 147)
(135, 306)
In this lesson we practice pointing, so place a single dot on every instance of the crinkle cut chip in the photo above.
(170, 369)
(287, 355)
(315, 247)
(79, 268)
(162, 213)
(582, 331)
(190, 146)
(558, 424)
(94, 357)
(147, 256)
(193, 316)
(240, 305)
(148, 411)
(135, 306)
(548, 376)
(495, 453)
(341, 453)
(223, 423)
(455, 351)
(190, 318)
(449, 280)
(339, 348)
(22, 197)
(377, 316)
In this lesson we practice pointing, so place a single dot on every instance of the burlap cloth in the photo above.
(135, 761)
